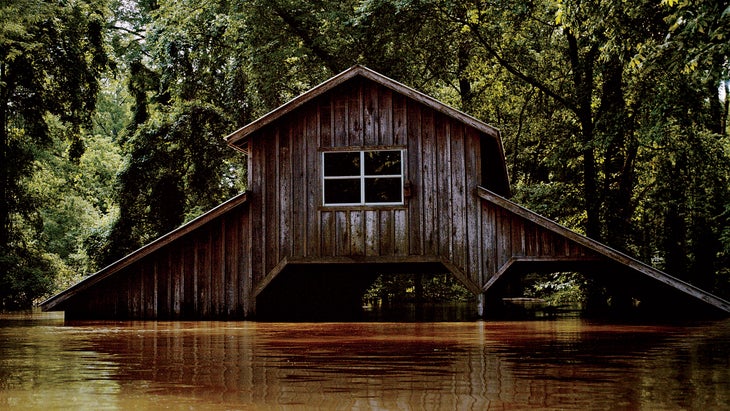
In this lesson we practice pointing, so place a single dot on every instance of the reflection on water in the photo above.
(560, 364)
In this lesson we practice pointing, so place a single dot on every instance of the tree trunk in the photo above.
(4, 207)
(614, 126)
(725, 110)
(583, 83)
(464, 82)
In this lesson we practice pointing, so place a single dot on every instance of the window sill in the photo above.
(363, 207)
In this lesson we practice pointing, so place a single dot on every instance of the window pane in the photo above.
(344, 191)
(341, 164)
(378, 163)
(383, 190)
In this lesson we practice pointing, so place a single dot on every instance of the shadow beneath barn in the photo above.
(315, 293)
(604, 290)
(409, 292)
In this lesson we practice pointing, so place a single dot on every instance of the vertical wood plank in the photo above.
(176, 256)
(271, 203)
(340, 117)
(135, 288)
(202, 252)
(164, 283)
(461, 240)
(357, 233)
(117, 285)
(190, 281)
(489, 243)
(285, 192)
(518, 236)
(149, 281)
(246, 264)
(217, 267)
(385, 117)
(400, 119)
(284, 189)
(415, 203)
(472, 179)
(472, 176)
(148, 284)
(546, 243)
(127, 292)
(313, 180)
(153, 303)
(324, 122)
(298, 221)
(256, 210)
(430, 183)
(386, 232)
(372, 229)
(505, 238)
(355, 115)
(443, 214)
(400, 232)
(575, 250)
(565, 247)
(230, 256)
(530, 245)
(328, 234)
(161, 277)
(342, 233)
(370, 114)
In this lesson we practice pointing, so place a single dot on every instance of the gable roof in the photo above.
(236, 138)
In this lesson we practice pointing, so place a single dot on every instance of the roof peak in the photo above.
(234, 139)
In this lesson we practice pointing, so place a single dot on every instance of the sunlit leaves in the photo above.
(51, 58)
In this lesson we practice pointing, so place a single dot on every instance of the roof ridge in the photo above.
(235, 138)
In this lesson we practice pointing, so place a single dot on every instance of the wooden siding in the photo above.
(202, 275)
(443, 162)
(515, 236)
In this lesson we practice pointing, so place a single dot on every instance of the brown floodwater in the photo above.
(550, 364)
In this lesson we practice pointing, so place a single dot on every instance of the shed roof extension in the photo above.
(144, 251)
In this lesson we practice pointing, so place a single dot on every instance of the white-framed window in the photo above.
(368, 177)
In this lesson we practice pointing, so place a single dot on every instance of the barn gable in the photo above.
(360, 175)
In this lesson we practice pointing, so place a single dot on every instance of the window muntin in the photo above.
(373, 177)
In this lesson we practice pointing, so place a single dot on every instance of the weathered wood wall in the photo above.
(204, 274)
(507, 236)
(443, 162)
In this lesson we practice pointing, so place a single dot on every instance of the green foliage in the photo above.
(401, 288)
(51, 57)
(558, 289)
(610, 115)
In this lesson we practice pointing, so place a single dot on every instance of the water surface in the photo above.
(556, 364)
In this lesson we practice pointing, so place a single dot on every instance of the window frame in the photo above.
(363, 177)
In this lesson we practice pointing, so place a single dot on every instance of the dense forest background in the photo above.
(113, 112)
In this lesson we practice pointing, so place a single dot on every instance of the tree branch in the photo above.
(303, 33)
(128, 30)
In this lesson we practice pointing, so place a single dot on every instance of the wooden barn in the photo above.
(357, 177)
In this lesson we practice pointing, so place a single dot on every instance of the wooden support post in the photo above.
(481, 301)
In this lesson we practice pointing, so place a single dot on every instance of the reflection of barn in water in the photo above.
(567, 364)
(361, 175)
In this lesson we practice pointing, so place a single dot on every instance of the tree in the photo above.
(51, 57)
(189, 92)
